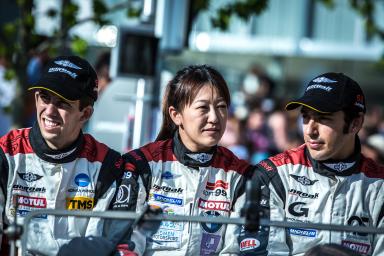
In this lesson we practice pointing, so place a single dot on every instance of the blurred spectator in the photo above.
(7, 94)
(257, 136)
(36, 64)
(102, 70)
(35, 67)
(232, 138)
(374, 148)
(330, 250)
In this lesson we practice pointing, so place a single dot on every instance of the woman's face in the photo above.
(202, 123)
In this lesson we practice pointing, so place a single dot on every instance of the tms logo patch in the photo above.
(79, 203)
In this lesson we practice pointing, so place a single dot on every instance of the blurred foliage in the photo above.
(18, 38)
(245, 9)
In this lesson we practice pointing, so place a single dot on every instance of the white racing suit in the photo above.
(166, 174)
(81, 177)
(296, 188)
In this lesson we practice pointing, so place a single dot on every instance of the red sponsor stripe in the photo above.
(93, 150)
(217, 184)
(16, 142)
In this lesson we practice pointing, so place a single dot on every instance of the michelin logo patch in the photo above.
(303, 232)
(168, 200)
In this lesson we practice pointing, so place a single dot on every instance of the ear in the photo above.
(87, 113)
(175, 116)
(356, 124)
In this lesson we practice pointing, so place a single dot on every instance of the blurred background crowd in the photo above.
(266, 50)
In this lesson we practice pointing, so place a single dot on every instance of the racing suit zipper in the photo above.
(190, 214)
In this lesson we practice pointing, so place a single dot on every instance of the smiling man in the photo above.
(53, 165)
(326, 180)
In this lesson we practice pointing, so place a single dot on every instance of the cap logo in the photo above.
(66, 63)
(323, 79)
(62, 70)
(319, 86)
(359, 101)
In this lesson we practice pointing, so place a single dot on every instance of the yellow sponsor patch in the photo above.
(80, 203)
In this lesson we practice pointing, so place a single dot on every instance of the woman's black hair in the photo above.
(182, 90)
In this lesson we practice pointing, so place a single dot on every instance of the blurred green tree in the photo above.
(19, 36)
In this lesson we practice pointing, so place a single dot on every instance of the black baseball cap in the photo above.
(69, 77)
(331, 92)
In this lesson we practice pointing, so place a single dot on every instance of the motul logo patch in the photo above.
(217, 184)
(358, 247)
(35, 202)
(214, 205)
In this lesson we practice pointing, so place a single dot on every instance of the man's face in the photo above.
(60, 121)
(324, 136)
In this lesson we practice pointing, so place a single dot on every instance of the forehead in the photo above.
(307, 111)
(55, 97)
(208, 92)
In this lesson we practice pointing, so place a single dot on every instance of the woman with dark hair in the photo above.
(184, 171)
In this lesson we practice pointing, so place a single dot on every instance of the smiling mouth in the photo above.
(50, 123)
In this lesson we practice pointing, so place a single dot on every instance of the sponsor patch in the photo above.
(61, 155)
(169, 176)
(303, 194)
(323, 79)
(303, 180)
(211, 227)
(79, 203)
(358, 247)
(201, 157)
(217, 184)
(23, 213)
(163, 235)
(34, 202)
(28, 189)
(319, 86)
(167, 189)
(127, 175)
(303, 232)
(209, 244)
(214, 205)
(123, 194)
(67, 63)
(82, 180)
(297, 209)
(217, 192)
(168, 200)
(249, 244)
(81, 190)
(29, 176)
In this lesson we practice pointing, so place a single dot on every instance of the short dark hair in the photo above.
(86, 101)
(349, 116)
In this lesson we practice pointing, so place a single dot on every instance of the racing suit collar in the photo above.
(189, 158)
(344, 167)
(42, 150)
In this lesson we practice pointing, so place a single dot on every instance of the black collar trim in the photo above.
(43, 151)
(344, 167)
(189, 158)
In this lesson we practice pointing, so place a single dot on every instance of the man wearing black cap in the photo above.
(53, 165)
(326, 180)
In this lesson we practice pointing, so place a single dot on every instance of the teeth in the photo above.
(50, 123)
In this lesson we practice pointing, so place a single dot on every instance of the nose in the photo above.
(212, 115)
(50, 108)
(310, 128)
